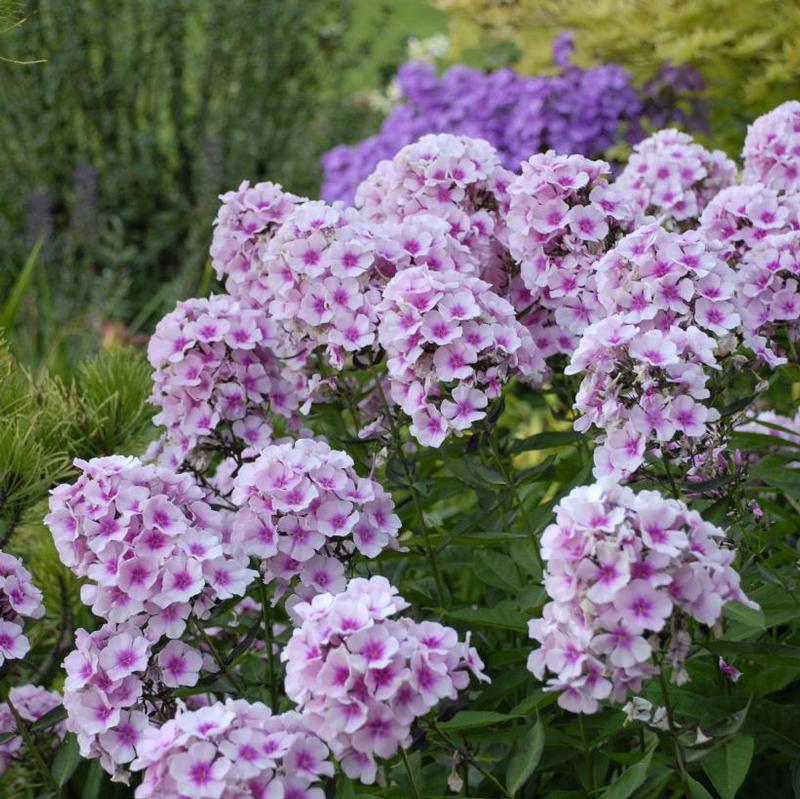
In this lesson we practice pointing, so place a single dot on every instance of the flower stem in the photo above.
(673, 485)
(467, 759)
(218, 659)
(30, 743)
(268, 642)
(412, 780)
(520, 508)
(398, 447)
(673, 731)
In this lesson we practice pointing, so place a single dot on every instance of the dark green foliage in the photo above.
(116, 148)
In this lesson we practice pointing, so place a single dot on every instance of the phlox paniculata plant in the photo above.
(341, 470)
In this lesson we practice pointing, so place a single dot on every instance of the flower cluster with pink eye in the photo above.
(20, 599)
(303, 511)
(147, 540)
(668, 300)
(361, 678)
(31, 703)
(671, 177)
(232, 750)
(216, 374)
(624, 573)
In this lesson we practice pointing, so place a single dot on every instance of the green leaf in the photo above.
(547, 440)
(50, 719)
(778, 476)
(94, 780)
(727, 766)
(499, 570)
(475, 719)
(697, 791)
(526, 758)
(632, 777)
(10, 308)
(750, 617)
(498, 618)
(66, 760)
(779, 654)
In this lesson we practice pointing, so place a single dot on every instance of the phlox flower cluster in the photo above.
(245, 221)
(19, 599)
(217, 374)
(667, 301)
(361, 678)
(561, 216)
(232, 750)
(624, 572)
(573, 111)
(451, 343)
(114, 687)
(315, 278)
(146, 539)
(768, 295)
(742, 217)
(303, 511)
(436, 202)
(771, 151)
(671, 177)
(31, 702)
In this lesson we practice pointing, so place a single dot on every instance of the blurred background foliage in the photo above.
(116, 147)
(124, 119)
(747, 52)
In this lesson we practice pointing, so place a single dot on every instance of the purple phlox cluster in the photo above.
(115, 684)
(768, 295)
(303, 511)
(673, 178)
(31, 702)
(451, 343)
(245, 221)
(561, 216)
(667, 302)
(573, 111)
(232, 750)
(361, 678)
(625, 572)
(19, 599)
(147, 541)
(674, 97)
(771, 151)
(217, 375)
(741, 217)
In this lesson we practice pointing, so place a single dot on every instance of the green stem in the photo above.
(218, 659)
(411, 778)
(520, 508)
(588, 753)
(464, 756)
(30, 743)
(398, 447)
(268, 642)
(675, 492)
(673, 731)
